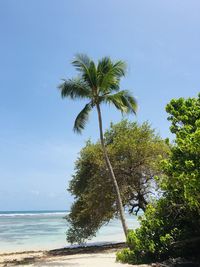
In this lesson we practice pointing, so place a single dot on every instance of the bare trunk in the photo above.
(119, 201)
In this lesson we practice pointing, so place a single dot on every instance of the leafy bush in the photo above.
(162, 227)
(171, 226)
(135, 152)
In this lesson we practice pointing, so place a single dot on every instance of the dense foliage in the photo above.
(171, 226)
(135, 152)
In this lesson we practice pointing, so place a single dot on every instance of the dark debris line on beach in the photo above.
(86, 249)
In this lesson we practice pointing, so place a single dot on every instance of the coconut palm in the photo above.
(99, 84)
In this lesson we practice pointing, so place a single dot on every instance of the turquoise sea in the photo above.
(35, 230)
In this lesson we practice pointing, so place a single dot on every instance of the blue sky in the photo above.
(160, 41)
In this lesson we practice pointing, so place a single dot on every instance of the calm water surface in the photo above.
(34, 230)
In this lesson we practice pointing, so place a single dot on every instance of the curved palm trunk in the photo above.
(119, 201)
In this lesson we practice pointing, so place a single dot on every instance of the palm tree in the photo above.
(99, 84)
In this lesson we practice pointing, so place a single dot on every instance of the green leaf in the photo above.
(109, 74)
(123, 101)
(75, 88)
(82, 118)
(86, 67)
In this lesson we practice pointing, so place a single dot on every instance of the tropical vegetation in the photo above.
(100, 83)
(170, 226)
(135, 152)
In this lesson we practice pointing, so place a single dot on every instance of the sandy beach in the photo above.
(90, 257)
(41, 259)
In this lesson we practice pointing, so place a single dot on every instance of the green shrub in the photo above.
(162, 226)
(171, 226)
(126, 255)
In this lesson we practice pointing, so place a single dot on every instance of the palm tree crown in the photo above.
(99, 84)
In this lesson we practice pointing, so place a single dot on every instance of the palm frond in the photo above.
(86, 68)
(81, 62)
(120, 68)
(74, 88)
(104, 65)
(82, 118)
(93, 74)
(109, 74)
(122, 100)
(131, 102)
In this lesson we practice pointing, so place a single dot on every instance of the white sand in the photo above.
(83, 260)
(40, 259)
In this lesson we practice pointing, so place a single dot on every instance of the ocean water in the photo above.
(38, 230)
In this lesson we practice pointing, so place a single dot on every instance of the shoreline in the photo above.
(92, 255)
(73, 249)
